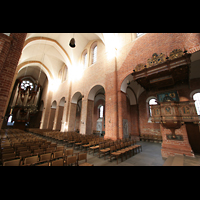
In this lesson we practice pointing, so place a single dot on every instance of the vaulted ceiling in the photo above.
(50, 51)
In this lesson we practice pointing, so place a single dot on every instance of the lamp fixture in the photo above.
(72, 43)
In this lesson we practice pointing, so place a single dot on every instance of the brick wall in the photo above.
(171, 147)
(10, 51)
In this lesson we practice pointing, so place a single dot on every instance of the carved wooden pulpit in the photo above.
(173, 114)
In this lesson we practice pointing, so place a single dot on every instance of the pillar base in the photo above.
(173, 147)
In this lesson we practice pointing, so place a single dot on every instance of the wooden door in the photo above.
(193, 136)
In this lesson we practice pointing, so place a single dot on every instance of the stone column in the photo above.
(72, 116)
(83, 119)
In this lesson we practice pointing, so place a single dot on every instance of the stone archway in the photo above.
(52, 115)
(75, 112)
(60, 113)
(128, 108)
(96, 101)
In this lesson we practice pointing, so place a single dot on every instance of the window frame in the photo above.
(100, 112)
(197, 102)
(150, 113)
(92, 48)
(94, 54)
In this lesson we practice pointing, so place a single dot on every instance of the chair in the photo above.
(45, 157)
(44, 146)
(24, 154)
(87, 145)
(70, 141)
(60, 148)
(69, 152)
(128, 148)
(53, 145)
(122, 150)
(7, 150)
(58, 154)
(83, 156)
(116, 154)
(112, 149)
(50, 150)
(84, 142)
(42, 164)
(38, 151)
(9, 156)
(21, 149)
(31, 160)
(94, 148)
(59, 162)
(138, 147)
(15, 162)
(71, 160)
(104, 151)
(32, 148)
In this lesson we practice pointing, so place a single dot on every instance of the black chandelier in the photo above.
(72, 43)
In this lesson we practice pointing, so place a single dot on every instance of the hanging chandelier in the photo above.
(72, 43)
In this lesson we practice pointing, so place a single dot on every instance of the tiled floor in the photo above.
(150, 156)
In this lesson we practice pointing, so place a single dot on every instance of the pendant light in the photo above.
(72, 42)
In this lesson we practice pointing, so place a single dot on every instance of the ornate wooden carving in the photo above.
(155, 60)
(163, 72)
(173, 114)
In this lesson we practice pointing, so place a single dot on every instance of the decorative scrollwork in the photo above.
(155, 60)
(139, 67)
(158, 59)
(176, 53)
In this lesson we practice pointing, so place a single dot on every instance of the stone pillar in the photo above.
(111, 103)
(90, 113)
(120, 113)
(47, 111)
(59, 118)
(72, 117)
(55, 118)
(83, 119)
(10, 51)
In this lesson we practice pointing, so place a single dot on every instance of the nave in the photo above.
(149, 156)
(51, 148)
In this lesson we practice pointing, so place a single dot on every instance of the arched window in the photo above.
(152, 102)
(94, 55)
(100, 108)
(26, 83)
(85, 60)
(196, 97)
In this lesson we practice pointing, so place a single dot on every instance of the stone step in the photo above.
(169, 161)
(176, 160)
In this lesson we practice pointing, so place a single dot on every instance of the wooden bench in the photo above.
(176, 160)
